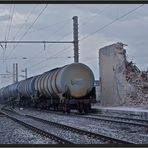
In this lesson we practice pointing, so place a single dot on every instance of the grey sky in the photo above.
(55, 23)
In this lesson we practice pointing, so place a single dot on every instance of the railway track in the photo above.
(2, 115)
(104, 138)
(124, 120)
(15, 118)
(82, 133)
(108, 119)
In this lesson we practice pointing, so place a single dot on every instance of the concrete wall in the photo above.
(112, 75)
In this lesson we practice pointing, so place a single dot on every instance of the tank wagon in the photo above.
(64, 88)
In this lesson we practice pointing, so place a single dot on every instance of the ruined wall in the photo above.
(112, 75)
(121, 81)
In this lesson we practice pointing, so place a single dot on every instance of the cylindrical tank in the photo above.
(2, 100)
(13, 91)
(30, 86)
(22, 88)
(6, 93)
(76, 78)
(26, 87)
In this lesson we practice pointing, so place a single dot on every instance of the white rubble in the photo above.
(137, 94)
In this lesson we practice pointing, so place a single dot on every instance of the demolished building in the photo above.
(121, 81)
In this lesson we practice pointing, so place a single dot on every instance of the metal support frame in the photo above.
(16, 72)
(76, 41)
(32, 42)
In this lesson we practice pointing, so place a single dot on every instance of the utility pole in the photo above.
(75, 41)
(14, 79)
(25, 73)
(75, 37)
(16, 72)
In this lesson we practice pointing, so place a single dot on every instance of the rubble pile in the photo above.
(137, 87)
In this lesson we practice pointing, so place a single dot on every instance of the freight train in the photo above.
(65, 88)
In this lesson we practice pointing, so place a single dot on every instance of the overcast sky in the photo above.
(54, 23)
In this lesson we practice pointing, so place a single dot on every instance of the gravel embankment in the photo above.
(63, 133)
(14, 133)
(138, 135)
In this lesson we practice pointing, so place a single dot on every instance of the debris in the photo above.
(137, 89)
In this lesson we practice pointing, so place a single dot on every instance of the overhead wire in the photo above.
(48, 49)
(48, 57)
(9, 29)
(97, 13)
(28, 28)
(98, 30)
(48, 26)
(33, 22)
(56, 23)
(118, 18)
(40, 28)
(52, 44)
(100, 12)
(107, 25)
(22, 58)
(7, 34)
(26, 20)
(52, 64)
(9, 16)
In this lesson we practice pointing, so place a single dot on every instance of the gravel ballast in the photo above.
(134, 134)
(13, 133)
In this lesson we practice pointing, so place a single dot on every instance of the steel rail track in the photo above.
(104, 138)
(104, 119)
(121, 118)
(110, 120)
(2, 115)
(100, 136)
(37, 130)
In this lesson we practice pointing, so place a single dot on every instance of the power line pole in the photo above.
(16, 72)
(76, 41)
(25, 73)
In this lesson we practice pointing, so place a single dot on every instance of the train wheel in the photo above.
(68, 109)
(80, 110)
(63, 108)
(86, 109)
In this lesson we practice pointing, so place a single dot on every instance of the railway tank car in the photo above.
(64, 88)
